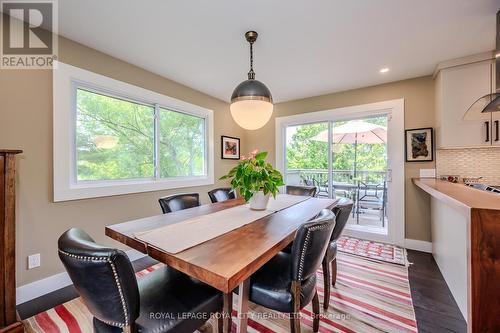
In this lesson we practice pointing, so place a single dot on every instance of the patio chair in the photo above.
(321, 186)
(371, 196)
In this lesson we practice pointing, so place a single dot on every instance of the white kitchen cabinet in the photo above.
(457, 87)
(449, 249)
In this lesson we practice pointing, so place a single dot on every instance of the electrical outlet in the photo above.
(34, 261)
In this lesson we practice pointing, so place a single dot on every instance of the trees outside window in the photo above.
(116, 140)
(303, 152)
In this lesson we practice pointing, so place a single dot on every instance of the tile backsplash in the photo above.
(477, 162)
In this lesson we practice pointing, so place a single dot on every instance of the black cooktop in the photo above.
(484, 187)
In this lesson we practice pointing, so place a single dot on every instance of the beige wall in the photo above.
(26, 123)
(419, 112)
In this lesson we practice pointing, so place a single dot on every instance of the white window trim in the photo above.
(65, 80)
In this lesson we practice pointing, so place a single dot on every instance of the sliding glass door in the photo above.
(359, 170)
(307, 159)
(350, 158)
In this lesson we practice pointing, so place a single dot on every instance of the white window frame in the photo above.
(66, 80)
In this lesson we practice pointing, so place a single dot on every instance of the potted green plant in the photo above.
(255, 179)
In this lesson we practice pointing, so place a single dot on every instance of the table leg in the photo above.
(243, 291)
(217, 321)
(227, 312)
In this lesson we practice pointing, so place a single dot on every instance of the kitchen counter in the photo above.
(465, 227)
(462, 197)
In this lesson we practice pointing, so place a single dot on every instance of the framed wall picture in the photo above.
(230, 148)
(419, 145)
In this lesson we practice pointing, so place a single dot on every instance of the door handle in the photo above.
(487, 123)
(388, 178)
(497, 138)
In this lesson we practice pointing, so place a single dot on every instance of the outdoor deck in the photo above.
(365, 187)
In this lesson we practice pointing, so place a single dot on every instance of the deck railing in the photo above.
(340, 177)
(298, 176)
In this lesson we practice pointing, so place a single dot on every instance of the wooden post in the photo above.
(9, 321)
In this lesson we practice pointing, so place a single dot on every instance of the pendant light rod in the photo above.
(251, 37)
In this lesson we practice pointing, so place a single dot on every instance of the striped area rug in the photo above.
(370, 296)
(373, 250)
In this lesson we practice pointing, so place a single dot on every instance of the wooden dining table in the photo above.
(229, 260)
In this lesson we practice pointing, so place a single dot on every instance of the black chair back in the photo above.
(310, 244)
(221, 194)
(342, 213)
(301, 190)
(177, 202)
(104, 278)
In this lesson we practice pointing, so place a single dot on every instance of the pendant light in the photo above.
(251, 101)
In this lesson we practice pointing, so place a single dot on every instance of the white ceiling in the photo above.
(305, 48)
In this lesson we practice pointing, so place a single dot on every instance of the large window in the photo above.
(114, 138)
(125, 139)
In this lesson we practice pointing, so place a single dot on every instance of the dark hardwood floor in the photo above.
(435, 308)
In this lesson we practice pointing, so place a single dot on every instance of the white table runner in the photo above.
(177, 237)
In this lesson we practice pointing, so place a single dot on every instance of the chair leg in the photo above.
(295, 316)
(315, 306)
(326, 284)
(294, 323)
(334, 272)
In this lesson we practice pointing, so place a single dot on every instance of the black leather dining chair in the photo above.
(287, 283)
(173, 203)
(301, 190)
(342, 213)
(221, 194)
(157, 302)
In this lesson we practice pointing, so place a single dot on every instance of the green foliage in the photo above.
(182, 144)
(131, 123)
(304, 153)
(255, 174)
(181, 140)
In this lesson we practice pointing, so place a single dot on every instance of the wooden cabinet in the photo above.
(457, 87)
(9, 321)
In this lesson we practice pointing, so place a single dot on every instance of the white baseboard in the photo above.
(52, 283)
(418, 245)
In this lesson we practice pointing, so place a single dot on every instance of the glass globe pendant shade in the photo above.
(251, 104)
(251, 114)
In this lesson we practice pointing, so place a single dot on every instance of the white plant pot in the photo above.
(259, 200)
